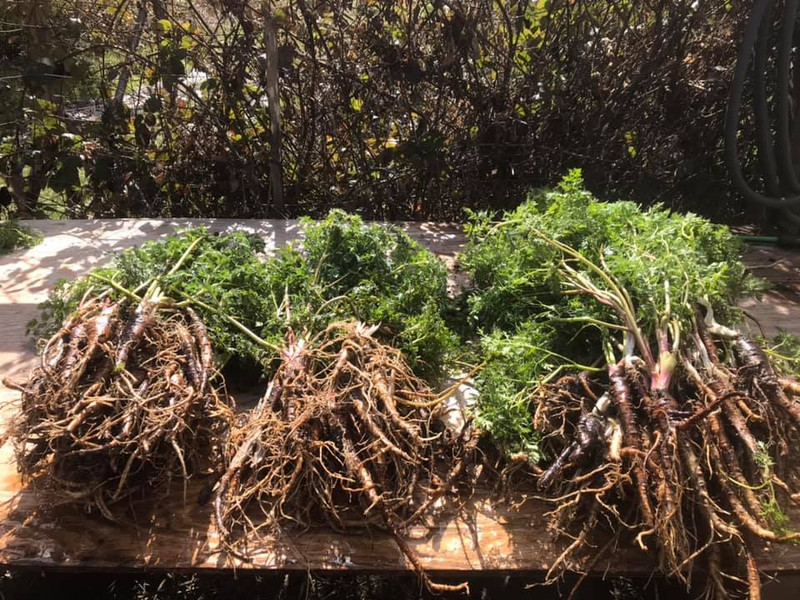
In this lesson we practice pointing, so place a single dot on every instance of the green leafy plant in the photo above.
(541, 282)
(777, 518)
(15, 235)
(784, 353)
(224, 270)
(607, 365)
(376, 274)
(342, 269)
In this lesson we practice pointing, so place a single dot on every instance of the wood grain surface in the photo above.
(483, 534)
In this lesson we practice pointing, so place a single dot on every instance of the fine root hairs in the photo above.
(700, 476)
(121, 402)
(332, 433)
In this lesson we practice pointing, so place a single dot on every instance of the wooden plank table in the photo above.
(483, 536)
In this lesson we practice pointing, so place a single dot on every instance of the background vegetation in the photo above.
(396, 110)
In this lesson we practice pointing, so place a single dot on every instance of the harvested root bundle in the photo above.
(686, 449)
(121, 402)
(695, 476)
(344, 422)
(653, 425)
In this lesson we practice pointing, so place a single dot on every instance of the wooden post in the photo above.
(125, 72)
(159, 10)
(794, 137)
(273, 97)
(36, 19)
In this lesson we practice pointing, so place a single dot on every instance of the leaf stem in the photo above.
(254, 337)
(116, 286)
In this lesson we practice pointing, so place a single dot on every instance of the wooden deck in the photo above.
(483, 535)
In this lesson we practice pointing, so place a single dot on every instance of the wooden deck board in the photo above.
(172, 535)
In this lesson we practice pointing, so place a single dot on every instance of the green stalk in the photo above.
(116, 286)
(254, 337)
(185, 255)
(570, 367)
(154, 291)
(782, 241)
(591, 321)
(773, 353)
(759, 239)
(618, 297)
(568, 361)
(608, 351)
(666, 362)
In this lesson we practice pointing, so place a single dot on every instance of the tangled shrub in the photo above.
(392, 110)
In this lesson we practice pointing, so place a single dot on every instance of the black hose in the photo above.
(780, 179)
(783, 63)
(764, 143)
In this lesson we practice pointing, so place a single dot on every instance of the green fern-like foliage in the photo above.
(534, 324)
(342, 268)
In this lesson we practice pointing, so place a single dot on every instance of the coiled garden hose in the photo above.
(781, 185)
